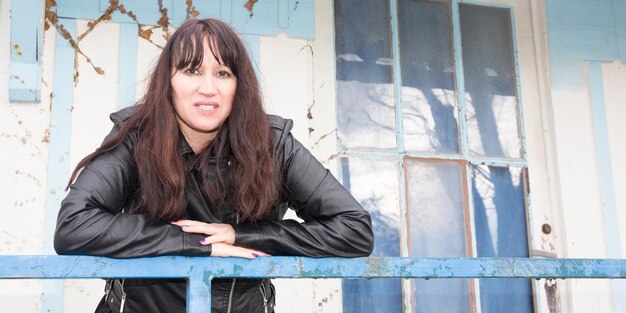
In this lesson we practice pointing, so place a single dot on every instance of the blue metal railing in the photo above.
(201, 270)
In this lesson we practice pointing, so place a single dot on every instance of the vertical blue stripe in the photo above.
(605, 173)
(253, 43)
(127, 69)
(199, 295)
(59, 154)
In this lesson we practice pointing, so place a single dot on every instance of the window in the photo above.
(429, 126)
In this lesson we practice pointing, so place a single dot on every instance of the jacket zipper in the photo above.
(230, 296)
(232, 286)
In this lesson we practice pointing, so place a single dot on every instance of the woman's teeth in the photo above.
(206, 107)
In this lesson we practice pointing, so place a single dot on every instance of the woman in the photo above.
(197, 168)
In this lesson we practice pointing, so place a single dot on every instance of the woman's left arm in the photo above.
(334, 224)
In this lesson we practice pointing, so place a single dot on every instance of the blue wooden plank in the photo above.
(59, 152)
(226, 11)
(283, 14)
(206, 268)
(302, 19)
(199, 296)
(201, 270)
(127, 69)
(581, 30)
(619, 11)
(265, 18)
(253, 44)
(605, 172)
(26, 47)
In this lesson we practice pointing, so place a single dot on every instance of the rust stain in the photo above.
(164, 21)
(18, 78)
(250, 6)
(46, 136)
(334, 156)
(106, 16)
(16, 47)
(145, 34)
(322, 137)
(52, 17)
(191, 9)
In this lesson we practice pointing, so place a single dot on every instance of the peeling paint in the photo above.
(334, 156)
(18, 78)
(46, 136)
(51, 18)
(191, 9)
(16, 47)
(316, 143)
(164, 21)
(250, 6)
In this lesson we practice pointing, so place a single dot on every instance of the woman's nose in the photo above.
(207, 86)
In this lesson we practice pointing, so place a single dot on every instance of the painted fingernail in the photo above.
(201, 241)
(255, 255)
(173, 222)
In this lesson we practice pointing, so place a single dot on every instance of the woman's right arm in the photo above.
(91, 220)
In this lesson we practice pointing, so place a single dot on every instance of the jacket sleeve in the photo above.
(334, 224)
(91, 220)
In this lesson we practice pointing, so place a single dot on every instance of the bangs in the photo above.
(188, 49)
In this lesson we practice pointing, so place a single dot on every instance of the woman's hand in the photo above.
(217, 232)
(227, 250)
(221, 236)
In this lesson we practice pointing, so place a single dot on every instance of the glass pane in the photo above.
(437, 228)
(375, 184)
(365, 93)
(490, 82)
(428, 89)
(500, 221)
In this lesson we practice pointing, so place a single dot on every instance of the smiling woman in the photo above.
(198, 168)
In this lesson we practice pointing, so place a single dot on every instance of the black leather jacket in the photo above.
(93, 221)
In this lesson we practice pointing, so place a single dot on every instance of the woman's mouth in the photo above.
(207, 107)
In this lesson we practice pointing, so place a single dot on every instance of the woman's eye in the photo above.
(223, 74)
(192, 71)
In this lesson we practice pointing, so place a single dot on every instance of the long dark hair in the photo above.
(251, 186)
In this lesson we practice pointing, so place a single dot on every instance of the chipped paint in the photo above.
(250, 6)
(191, 9)
(17, 50)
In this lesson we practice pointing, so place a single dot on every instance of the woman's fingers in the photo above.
(227, 250)
(217, 232)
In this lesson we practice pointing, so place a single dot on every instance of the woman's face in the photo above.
(203, 98)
